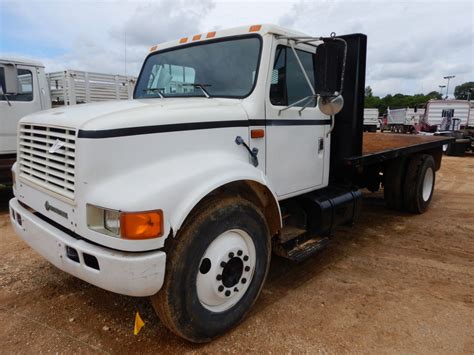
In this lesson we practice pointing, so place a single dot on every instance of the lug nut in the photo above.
(219, 277)
(227, 293)
(231, 255)
(236, 289)
(240, 252)
(246, 258)
(244, 280)
(247, 268)
(221, 288)
(223, 264)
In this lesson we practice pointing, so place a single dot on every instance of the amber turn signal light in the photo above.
(255, 28)
(141, 225)
(257, 133)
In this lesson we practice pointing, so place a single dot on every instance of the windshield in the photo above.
(225, 69)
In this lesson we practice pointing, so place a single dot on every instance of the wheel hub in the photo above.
(226, 270)
(428, 182)
(232, 271)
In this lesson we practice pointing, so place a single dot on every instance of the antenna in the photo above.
(125, 50)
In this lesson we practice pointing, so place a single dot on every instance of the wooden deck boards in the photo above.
(379, 142)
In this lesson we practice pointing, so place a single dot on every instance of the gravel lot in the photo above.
(393, 283)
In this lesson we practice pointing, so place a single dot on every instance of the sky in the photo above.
(412, 45)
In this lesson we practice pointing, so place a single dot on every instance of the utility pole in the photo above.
(448, 77)
(441, 87)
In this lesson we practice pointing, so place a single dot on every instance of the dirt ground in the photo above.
(393, 283)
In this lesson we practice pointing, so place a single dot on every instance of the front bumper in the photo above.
(132, 274)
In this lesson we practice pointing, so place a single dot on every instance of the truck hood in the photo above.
(137, 113)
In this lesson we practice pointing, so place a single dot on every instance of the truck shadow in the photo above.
(284, 276)
(95, 309)
(6, 193)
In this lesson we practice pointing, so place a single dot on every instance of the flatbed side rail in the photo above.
(377, 157)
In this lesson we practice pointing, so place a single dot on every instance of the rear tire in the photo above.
(419, 183)
(215, 270)
(393, 183)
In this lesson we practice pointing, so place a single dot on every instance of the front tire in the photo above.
(216, 268)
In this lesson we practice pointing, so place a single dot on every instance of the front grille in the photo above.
(51, 170)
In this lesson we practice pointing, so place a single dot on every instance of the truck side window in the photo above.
(288, 83)
(25, 85)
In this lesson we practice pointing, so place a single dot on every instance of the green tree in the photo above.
(461, 91)
(368, 92)
(435, 95)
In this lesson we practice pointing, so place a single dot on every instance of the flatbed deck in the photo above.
(378, 147)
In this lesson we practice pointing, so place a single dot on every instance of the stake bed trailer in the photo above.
(26, 88)
(183, 193)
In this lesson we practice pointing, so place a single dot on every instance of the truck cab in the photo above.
(23, 90)
(237, 143)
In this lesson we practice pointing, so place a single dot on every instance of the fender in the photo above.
(167, 186)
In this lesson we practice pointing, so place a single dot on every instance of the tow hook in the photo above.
(253, 152)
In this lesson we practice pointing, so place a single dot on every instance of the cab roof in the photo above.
(21, 61)
(236, 31)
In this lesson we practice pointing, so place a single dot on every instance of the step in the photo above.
(290, 232)
(301, 248)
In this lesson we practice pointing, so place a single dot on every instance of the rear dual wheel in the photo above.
(216, 268)
(409, 184)
(419, 183)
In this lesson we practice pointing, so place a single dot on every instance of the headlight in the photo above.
(112, 221)
(126, 225)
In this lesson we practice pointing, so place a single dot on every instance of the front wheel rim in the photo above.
(226, 270)
(428, 181)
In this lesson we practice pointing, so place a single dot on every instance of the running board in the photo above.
(300, 249)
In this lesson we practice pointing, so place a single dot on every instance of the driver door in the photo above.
(297, 145)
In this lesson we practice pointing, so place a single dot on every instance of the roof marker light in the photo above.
(211, 34)
(183, 40)
(196, 37)
(152, 49)
(255, 28)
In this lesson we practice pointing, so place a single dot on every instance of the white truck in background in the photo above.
(26, 88)
(371, 119)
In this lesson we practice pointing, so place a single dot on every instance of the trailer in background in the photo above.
(25, 88)
(371, 119)
(445, 115)
(452, 118)
(403, 120)
(70, 87)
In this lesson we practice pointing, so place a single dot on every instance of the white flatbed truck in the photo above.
(26, 88)
(238, 143)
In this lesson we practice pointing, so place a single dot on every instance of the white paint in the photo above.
(174, 171)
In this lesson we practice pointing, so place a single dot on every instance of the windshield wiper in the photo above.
(200, 86)
(157, 90)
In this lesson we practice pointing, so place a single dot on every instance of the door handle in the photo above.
(320, 145)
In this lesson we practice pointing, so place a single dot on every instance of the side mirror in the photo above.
(329, 65)
(11, 80)
(330, 105)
